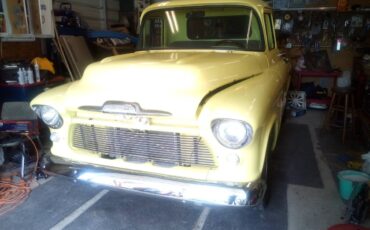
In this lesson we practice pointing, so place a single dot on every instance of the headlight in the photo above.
(231, 133)
(49, 116)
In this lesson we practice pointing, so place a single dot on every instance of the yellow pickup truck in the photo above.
(191, 115)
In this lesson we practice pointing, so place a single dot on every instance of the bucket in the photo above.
(350, 181)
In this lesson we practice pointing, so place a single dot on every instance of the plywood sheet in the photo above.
(78, 54)
(35, 13)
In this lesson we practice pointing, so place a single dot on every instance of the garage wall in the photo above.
(94, 13)
(333, 3)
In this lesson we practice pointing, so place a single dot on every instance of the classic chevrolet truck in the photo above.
(192, 114)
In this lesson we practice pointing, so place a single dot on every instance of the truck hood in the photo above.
(175, 82)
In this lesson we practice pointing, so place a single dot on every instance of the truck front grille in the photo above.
(162, 148)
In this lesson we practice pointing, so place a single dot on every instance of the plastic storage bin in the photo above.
(350, 181)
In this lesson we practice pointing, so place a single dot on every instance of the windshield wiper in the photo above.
(230, 42)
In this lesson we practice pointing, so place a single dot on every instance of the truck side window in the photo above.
(153, 33)
(269, 31)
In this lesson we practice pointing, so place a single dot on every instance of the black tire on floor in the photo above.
(266, 177)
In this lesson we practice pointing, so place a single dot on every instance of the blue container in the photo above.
(350, 182)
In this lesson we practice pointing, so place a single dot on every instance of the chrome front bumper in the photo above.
(248, 195)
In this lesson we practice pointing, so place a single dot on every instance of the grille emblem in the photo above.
(125, 108)
(121, 108)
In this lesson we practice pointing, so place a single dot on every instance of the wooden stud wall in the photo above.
(20, 50)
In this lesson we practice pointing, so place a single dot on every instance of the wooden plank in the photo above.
(78, 54)
(35, 14)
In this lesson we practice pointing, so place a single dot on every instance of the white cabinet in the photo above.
(41, 15)
(26, 19)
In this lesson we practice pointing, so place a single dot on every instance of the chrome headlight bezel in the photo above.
(48, 115)
(243, 132)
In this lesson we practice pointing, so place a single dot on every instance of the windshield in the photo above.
(202, 28)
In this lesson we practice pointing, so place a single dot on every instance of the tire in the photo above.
(266, 178)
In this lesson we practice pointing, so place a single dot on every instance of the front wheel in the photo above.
(267, 183)
(266, 178)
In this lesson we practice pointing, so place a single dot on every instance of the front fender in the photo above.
(253, 101)
(54, 97)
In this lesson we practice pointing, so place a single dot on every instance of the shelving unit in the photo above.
(315, 74)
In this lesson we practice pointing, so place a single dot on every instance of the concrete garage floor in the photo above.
(304, 196)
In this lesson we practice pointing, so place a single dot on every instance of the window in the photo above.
(269, 31)
(231, 28)
(153, 33)
(223, 27)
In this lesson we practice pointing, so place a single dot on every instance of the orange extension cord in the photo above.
(12, 193)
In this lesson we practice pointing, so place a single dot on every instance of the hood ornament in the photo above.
(125, 108)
